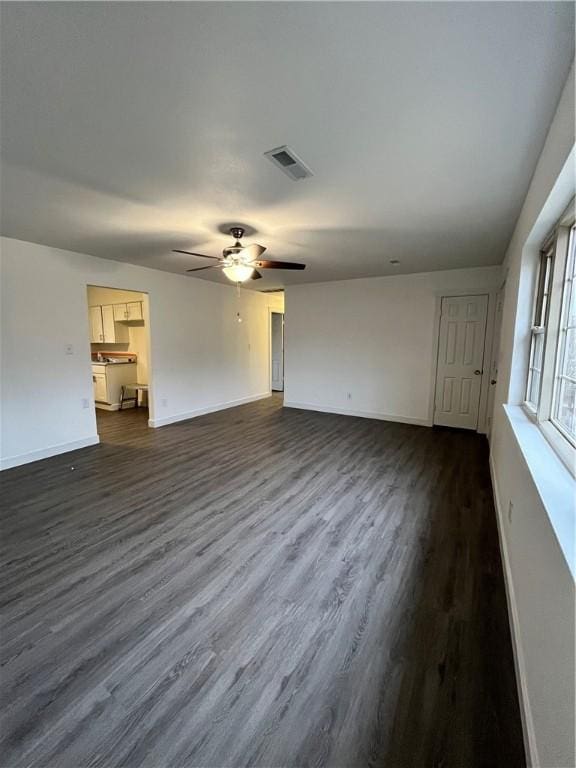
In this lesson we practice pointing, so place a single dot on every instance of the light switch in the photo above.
(69, 349)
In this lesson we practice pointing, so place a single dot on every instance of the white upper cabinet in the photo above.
(120, 312)
(103, 326)
(108, 323)
(96, 325)
(134, 309)
(113, 332)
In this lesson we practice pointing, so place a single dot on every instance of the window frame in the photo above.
(539, 323)
(555, 249)
(564, 326)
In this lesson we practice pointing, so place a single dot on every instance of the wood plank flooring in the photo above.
(256, 587)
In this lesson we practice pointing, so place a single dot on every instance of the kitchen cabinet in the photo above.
(108, 379)
(96, 325)
(120, 312)
(114, 333)
(100, 389)
(103, 327)
(131, 310)
(134, 309)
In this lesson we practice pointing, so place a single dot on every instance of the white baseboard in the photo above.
(202, 411)
(530, 746)
(116, 406)
(361, 414)
(46, 453)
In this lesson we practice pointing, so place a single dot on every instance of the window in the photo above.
(551, 381)
(539, 328)
(564, 408)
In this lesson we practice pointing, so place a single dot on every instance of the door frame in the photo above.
(490, 313)
(148, 328)
(499, 297)
(273, 311)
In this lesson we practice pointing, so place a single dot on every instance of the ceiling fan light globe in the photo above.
(238, 273)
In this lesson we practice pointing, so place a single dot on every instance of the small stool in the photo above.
(127, 398)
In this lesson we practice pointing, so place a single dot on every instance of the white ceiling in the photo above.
(129, 129)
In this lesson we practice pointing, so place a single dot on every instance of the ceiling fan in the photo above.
(242, 262)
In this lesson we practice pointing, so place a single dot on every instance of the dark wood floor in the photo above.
(257, 587)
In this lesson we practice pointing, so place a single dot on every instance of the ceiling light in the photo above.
(238, 273)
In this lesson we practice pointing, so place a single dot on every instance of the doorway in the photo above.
(119, 358)
(277, 351)
(459, 370)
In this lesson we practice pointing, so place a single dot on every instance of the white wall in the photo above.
(373, 338)
(201, 357)
(540, 583)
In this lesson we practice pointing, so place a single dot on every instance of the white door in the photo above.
(277, 331)
(96, 329)
(460, 359)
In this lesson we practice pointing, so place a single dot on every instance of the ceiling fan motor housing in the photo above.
(232, 251)
(237, 232)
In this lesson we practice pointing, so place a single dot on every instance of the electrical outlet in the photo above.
(348, 395)
(510, 508)
(69, 349)
(164, 402)
(85, 402)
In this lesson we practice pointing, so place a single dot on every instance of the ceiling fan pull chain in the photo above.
(238, 315)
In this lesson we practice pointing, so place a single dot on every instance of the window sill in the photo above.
(554, 482)
(560, 444)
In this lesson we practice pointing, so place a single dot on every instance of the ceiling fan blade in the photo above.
(199, 269)
(256, 275)
(253, 251)
(267, 264)
(191, 253)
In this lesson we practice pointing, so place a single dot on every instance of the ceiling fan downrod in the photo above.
(237, 233)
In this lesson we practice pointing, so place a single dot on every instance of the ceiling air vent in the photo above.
(289, 162)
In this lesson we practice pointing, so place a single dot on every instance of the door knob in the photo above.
(477, 372)
(493, 381)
